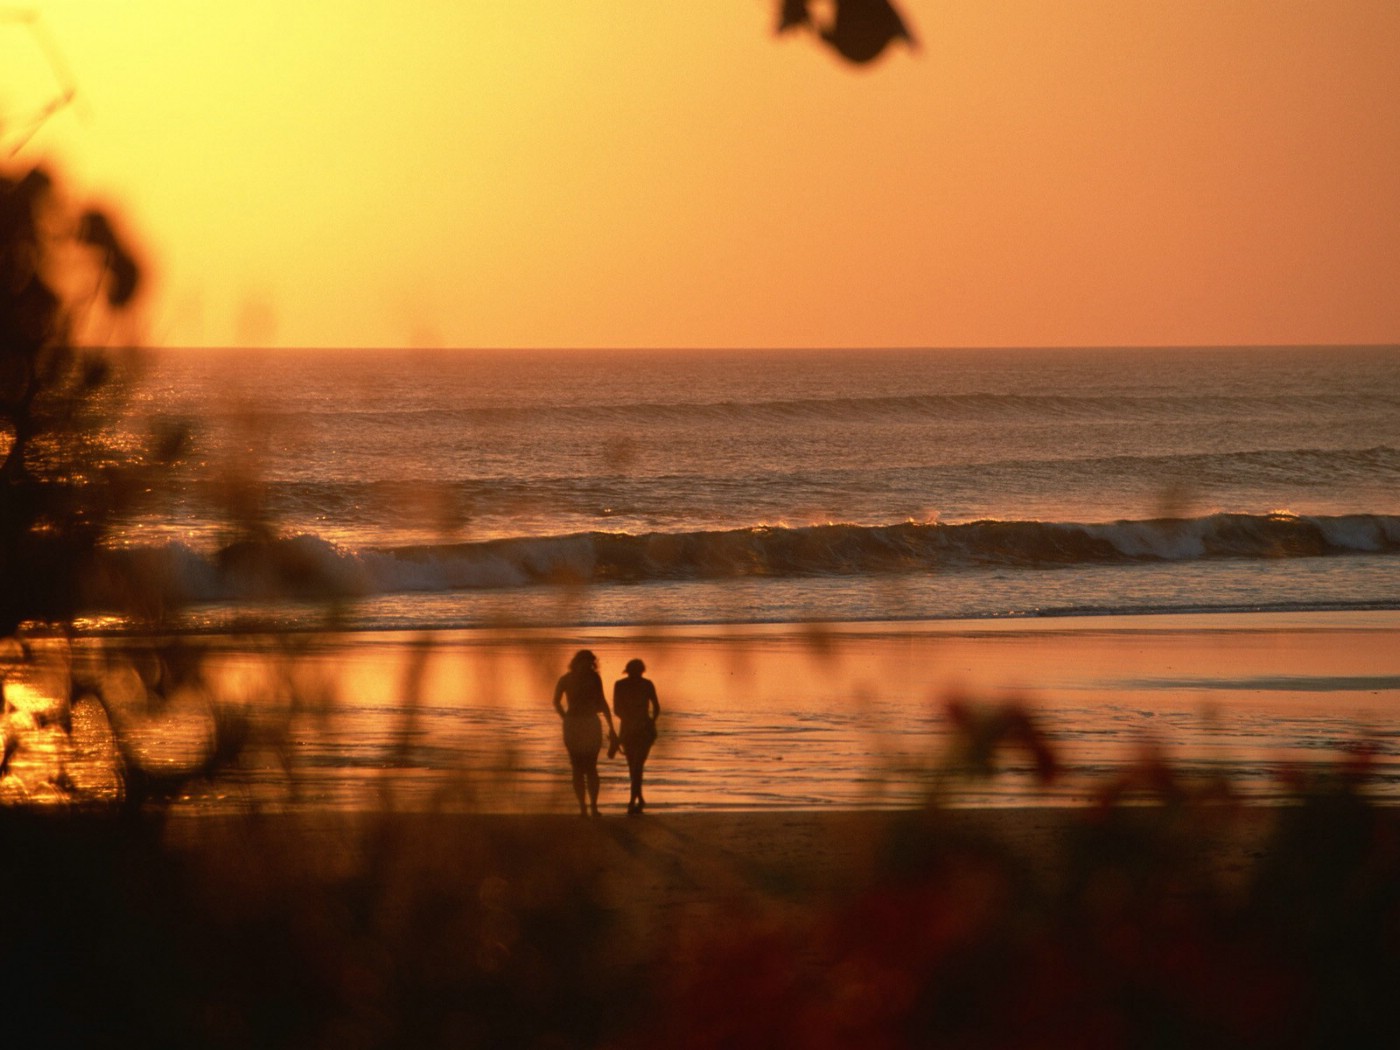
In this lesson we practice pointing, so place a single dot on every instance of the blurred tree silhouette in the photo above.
(60, 484)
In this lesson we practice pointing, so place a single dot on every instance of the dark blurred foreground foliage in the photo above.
(1165, 915)
(72, 468)
(75, 467)
(61, 485)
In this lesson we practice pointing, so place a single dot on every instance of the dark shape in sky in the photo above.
(859, 30)
(96, 229)
(793, 14)
(862, 29)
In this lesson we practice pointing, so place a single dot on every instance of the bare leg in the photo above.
(579, 782)
(636, 762)
(634, 773)
(593, 788)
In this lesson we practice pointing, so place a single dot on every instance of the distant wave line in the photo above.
(960, 406)
(1374, 458)
(310, 567)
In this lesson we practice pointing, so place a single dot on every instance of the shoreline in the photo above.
(796, 717)
(1379, 617)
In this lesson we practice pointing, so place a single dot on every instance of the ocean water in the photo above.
(1186, 548)
(461, 488)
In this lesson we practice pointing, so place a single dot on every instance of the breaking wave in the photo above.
(310, 567)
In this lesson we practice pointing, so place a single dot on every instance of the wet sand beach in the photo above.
(754, 718)
(841, 716)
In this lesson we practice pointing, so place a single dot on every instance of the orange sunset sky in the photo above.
(643, 173)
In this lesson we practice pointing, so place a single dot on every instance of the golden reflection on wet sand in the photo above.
(758, 717)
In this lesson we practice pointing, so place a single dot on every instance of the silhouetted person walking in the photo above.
(634, 701)
(583, 736)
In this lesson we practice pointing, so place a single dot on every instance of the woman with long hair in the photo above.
(583, 736)
(634, 700)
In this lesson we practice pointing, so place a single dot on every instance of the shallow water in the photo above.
(787, 716)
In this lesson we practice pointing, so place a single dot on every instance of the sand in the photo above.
(706, 858)
(656, 875)
(813, 928)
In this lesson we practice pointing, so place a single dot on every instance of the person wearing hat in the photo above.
(634, 701)
(583, 736)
